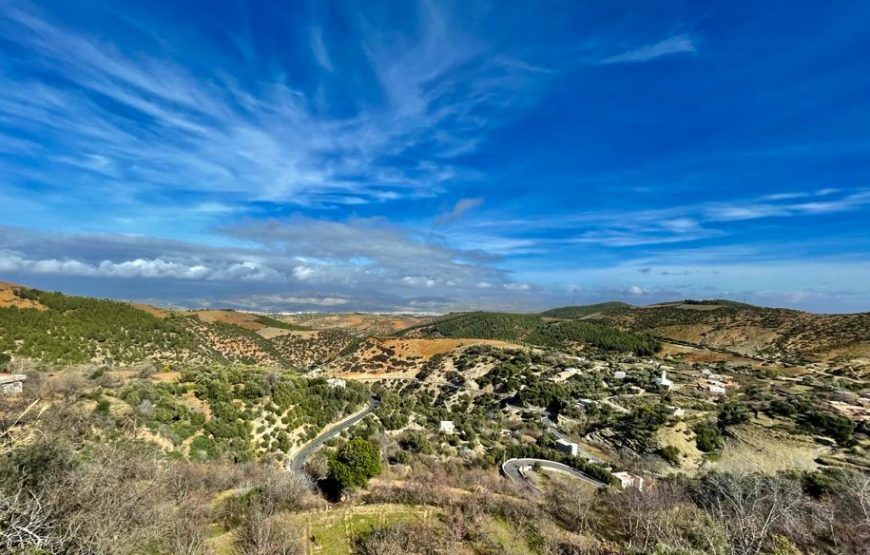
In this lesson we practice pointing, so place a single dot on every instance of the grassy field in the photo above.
(330, 532)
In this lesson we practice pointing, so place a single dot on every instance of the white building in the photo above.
(336, 382)
(566, 446)
(663, 381)
(677, 411)
(715, 389)
(619, 375)
(12, 384)
(447, 427)
(627, 480)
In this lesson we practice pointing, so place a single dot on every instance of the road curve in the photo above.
(296, 464)
(548, 422)
(511, 469)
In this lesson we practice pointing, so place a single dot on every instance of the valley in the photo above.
(480, 432)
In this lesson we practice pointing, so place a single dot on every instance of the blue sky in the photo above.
(433, 156)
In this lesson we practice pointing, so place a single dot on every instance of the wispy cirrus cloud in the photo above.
(823, 201)
(660, 226)
(677, 44)
(125, 120)
(461, 207)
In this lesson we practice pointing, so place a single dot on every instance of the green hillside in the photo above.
(584, 310)
(536, 330)
(78, 329)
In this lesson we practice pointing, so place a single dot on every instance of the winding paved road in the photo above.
(548, 422)
(297, 462)
(512, 469)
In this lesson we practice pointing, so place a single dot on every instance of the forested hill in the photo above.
(743, 328)
(585, 310)
(535, 330)
(63, 329)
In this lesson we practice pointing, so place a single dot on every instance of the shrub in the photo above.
(733, 412)
(670, 454)
(356, 462)
(708, 438)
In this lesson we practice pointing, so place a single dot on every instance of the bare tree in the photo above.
(261, 533)
(24, 522)
(750, 508)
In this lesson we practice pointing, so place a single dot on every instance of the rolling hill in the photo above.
(585, 310)
(535, 330)
(62, 329)
(739, 327)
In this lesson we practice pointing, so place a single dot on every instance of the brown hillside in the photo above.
(8, 298)
(241, 319)
(750, 330)
(358, 324)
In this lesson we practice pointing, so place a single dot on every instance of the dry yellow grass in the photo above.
(153, 310)
(241, 319)
(427, 348)
(9, 299)
(271, 333)
(754, 448)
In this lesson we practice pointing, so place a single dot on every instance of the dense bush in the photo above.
(353, 464)
(708, 438)
(76, 329)
(540, 331)
(733, 412)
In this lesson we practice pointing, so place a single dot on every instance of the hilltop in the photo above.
(64, 329)
(742, 328)
(585, 310)
(534, 330)
(58, 328)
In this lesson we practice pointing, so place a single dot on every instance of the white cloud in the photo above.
(419, 281)
(678, 44)
(461, 207)
(279, 300)
(139, 268)
(267, 141)
(303, 273)
(517, 286)
(318, 48)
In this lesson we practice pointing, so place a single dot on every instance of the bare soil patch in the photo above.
(152, 310)
(9, 299)
(241, 319)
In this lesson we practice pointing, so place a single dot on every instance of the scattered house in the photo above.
(447, 427)
(12, 384)
(336, 382)
(627, 480)
(677, 411)
(566, 446)
(663, 381)
(715, 389)
(619, 375)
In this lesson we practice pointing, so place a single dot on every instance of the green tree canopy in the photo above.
(356, 462)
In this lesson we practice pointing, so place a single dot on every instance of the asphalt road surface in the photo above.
(511, 469)
(297, 463)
